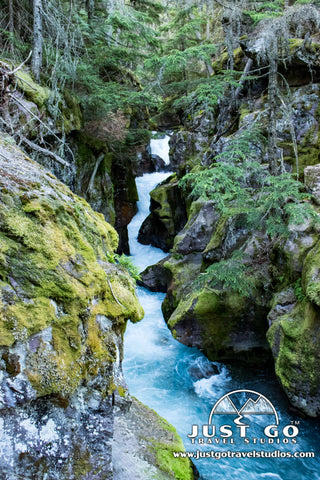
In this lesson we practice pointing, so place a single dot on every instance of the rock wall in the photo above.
(279, 315)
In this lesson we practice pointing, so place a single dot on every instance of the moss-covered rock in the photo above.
(223, 61)
(56, 273)
(143, 447)
(93, 174)
(311, 275)
(64, 304)
(33, 91)
(224, 325)
(294, 337)
(194, 237)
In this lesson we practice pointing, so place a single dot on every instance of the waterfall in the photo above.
(182, 385)
(160, 147)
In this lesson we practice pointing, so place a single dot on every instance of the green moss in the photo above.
(165, 206)
(179, 468)
(295, 341)
(71, 113)
(311, 275)
(23, 319)
(166, 442)
(222, 62)
(56, 275)
(33, 91)
(297, 43)
(218, 235)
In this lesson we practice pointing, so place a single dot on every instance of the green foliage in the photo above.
(126, 262)
(231, 274)
(238, 183)
(298, 291)
(176, 255)
(262, 10)
(181, 68)
(207, 94)
(308, 2)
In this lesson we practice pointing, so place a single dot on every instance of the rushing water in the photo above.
(182, 385)
(160, 146)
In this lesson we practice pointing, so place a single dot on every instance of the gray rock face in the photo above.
(142, 440)
(197, 232)
(54, 439)
(312, 180)
(156, 278)
(185, 146)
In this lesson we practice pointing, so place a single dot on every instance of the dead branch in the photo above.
(44, 151)
(16, 100)
(99, 160)
(119, 303)
(21, 65)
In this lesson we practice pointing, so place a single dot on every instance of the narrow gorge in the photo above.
(159, 239)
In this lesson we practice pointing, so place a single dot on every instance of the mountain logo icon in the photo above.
(243, 403)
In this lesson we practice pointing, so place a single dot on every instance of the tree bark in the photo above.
(11, 25)
(37, 38)
(272, 127)
(90, 9)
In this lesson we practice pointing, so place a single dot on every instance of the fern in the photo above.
(126, 262)
(231, 274)
(238, 183)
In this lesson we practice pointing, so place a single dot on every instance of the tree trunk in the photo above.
(37, 38)
(272, 127)
(11, 25)
(90, 9)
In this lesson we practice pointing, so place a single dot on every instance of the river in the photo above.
(182, 385)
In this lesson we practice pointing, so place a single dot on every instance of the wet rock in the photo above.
(203, 371)
(149, 164)
(224, 325)
(167, 217)
(156, 278)
(125, 202)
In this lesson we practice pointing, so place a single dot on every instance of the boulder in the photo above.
(195, 235)
(64, 304)
(156, 278)
(294, 336)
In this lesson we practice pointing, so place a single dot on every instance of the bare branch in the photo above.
(44, 151)
(99, 160)
(21, 65)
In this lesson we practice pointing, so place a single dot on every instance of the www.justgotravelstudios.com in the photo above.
(250, 454)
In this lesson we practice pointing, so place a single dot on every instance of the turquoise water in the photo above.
(182, 386)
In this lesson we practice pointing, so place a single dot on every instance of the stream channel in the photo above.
(183, 386)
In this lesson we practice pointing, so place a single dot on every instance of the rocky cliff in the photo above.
(262, 296)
